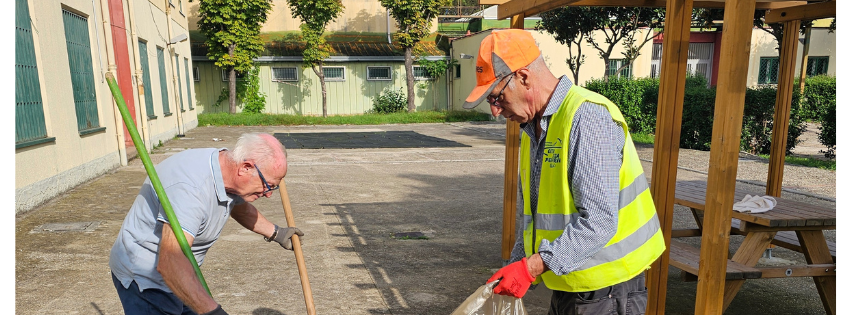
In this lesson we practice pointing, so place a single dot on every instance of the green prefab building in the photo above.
(355, 74)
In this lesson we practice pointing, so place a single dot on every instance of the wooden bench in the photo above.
(687, 258)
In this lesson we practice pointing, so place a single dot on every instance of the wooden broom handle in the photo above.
(299, 256)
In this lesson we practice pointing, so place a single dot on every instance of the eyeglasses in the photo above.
(494, 100)
(265, 183)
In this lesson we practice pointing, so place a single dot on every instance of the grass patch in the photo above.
(809, 162)
(642, 138)
(226, 119)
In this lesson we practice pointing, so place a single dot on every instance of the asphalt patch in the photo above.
(363, 140)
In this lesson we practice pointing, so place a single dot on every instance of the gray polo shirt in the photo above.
(192, 179)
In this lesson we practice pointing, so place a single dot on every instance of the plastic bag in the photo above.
(484, 302)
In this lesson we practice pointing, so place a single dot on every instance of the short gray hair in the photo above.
(259, 147)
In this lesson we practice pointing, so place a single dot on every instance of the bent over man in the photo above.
(590, 226)
(204, 186)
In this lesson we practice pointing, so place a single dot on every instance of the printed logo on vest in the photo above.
(552, 152)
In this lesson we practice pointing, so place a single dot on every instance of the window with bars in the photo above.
(82, 71)
(817, 65)
(188, 86)
(379, 73)
(615, 64)
(146, 79)
(239, 76)
(768, 69)
(285, 74)
(457, 71)
(334, 73)
(163, 82)
(420, 73)
(196, 74)
(30, 128)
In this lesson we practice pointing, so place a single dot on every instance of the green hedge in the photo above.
(819, 105)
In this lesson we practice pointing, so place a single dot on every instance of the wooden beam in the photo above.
(816, 270)
(724, 154)
(805, 12)
(510, 8)
(782, 108)
(669, 117)
(816, 252)
(512, 149)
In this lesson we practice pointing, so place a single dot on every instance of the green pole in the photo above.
(152, 174)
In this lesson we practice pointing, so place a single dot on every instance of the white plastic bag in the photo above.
(484, 302)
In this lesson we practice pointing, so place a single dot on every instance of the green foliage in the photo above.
(827, 130)
(315, 16)
(389, 101)
(233, 24)
(227, 119)
(247, 92)
(636, 99)
(435, 68)
(758, 120)
(819, 105)
(413, 18)
(698, 108)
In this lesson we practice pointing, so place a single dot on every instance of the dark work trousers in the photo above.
(625, 298)
(150, 301)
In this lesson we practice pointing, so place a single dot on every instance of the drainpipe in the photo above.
(140, 82)
(111, 67)
(180, 126)
(388, 27)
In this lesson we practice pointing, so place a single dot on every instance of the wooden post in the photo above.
(805, 58)
(724, 154)
(512, 147)
(667, 141)
(782, 107)
(299, 256)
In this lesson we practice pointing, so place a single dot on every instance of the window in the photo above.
(768, 69)
(186, 73)
(180, 7)
(82, 71)
(30, 128)
(334, 73)
(379, 73)
(284, 74)
(163, 82)
(196, 74)
(239, 76)
(615, 64)
(146, 79)
(420, 73)
(817, 65)
(179, 89)
(457, 71)
(656, 61)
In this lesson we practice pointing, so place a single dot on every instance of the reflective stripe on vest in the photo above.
(638, 241)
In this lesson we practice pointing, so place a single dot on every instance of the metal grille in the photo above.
(654, 71)
(378, 73)
(657, 52)
(284, 74)
(163, 82)
(188, 91)
(701, 51)
(817, 65)
(146, 79)
(334, 73)
(29, 111)
(82, 74)
(420, 73)
(196, 74)
(768, 68)
(615, 64)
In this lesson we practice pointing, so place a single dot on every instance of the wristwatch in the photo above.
(269, 239)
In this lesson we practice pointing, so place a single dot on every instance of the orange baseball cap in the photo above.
(501, 53)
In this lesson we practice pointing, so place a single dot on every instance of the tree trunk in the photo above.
(321, 76)
(409, 70)
(231, 82)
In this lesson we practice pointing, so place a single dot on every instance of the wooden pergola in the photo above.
(726, 131)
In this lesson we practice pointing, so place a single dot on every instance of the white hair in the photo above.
(259, 149)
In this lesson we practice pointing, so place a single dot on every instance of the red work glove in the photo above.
(516, 279)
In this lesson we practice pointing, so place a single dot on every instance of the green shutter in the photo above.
(82, 73)
(177, 72)
(187, 74)
(146, 79)
(29, 111)
(163, 81)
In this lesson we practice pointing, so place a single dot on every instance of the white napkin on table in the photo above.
(755, 204)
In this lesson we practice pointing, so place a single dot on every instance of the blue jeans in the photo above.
(150, 301)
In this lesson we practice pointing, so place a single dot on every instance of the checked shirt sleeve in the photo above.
(595, 153)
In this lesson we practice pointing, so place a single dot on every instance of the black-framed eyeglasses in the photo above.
(494, 101)
(269, 188)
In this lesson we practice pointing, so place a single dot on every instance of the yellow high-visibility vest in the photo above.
(638, 241)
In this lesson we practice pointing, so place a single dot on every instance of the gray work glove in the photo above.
(284, 236)
(217, 311)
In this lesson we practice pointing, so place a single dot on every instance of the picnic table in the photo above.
(791, 224)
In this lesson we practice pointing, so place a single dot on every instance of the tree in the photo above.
(314, 16)
(413, 18)
(617, 24)
(232, 29)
